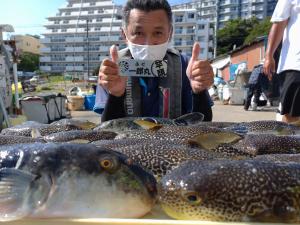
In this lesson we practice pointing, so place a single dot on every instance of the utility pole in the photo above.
(216, 28)
(88, 49)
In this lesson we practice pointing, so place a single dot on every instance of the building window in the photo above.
(92, 3)
(68, 13)
(190, 29)
(201, 27)
(178, 19)
(177, 41)
(201, 38)
(66, 22)
(191, 15)
(178, 30)
(91, 12)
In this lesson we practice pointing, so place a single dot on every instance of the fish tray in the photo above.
(155, 217)
(128, 222)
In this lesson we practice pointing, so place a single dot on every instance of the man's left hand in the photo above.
(199, 72)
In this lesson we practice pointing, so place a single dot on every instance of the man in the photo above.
(286, 23)
(147, 30)
(257, 83)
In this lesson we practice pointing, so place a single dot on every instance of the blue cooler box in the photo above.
(89, 102)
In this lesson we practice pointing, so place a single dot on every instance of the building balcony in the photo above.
(74, 59)
(190, 42)
(74, 39)
(257, 1)
(74, 68)
(45, 68)
(257, 8)
(45, 40)
(58, 59)
(230, 2)
(104, 48)
(45, 50)
(201, 33)
(45, 59)
(190, 31)
(111, 38)
(58, 69)
(74, 49)
(226, 11)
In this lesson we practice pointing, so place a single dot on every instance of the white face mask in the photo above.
(148, 52)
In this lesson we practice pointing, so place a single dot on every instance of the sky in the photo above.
(29, 16)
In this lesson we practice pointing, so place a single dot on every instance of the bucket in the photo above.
(75, 103)
(89, 102)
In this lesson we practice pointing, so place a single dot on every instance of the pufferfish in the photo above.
(233, 190)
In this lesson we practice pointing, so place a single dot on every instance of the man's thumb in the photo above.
(196, 51)
(114, 53)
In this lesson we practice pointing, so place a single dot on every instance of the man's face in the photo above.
(148, 28)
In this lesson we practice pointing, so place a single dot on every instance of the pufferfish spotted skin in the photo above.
(226, 190)
(265, 126)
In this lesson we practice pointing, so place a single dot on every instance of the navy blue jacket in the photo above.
(150, 104)
(257, 77)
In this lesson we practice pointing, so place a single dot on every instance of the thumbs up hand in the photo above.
(199, 72)
(109, 76)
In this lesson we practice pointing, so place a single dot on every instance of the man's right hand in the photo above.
(109, 76)
(269, 67)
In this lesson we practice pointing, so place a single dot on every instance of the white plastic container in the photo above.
(237, 96)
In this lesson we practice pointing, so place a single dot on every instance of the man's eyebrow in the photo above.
(159, 28)
(138, 27)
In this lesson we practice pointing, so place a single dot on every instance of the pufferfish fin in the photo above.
(211, 140)
(14, 185)
(147, 125)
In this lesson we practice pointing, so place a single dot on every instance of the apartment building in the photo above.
(27, 43)
(188, 29)
(79, 36)
(220, 11)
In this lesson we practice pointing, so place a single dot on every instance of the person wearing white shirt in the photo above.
(285, 28)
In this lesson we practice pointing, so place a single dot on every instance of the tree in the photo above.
(28, 62)
(261, 29)
(234, 34)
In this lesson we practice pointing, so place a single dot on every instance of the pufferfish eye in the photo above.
(109, 164)
(192, 197)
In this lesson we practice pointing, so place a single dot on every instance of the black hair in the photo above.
(147, 6)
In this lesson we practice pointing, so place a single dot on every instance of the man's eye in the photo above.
(138, 33)
(158, 33)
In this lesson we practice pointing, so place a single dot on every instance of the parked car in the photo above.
(26, 75)
(34, 80)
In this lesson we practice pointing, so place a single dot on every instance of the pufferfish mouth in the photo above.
(147, 179)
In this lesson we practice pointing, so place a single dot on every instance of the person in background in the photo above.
(285, 28)
(147, 31)
(257, 83)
